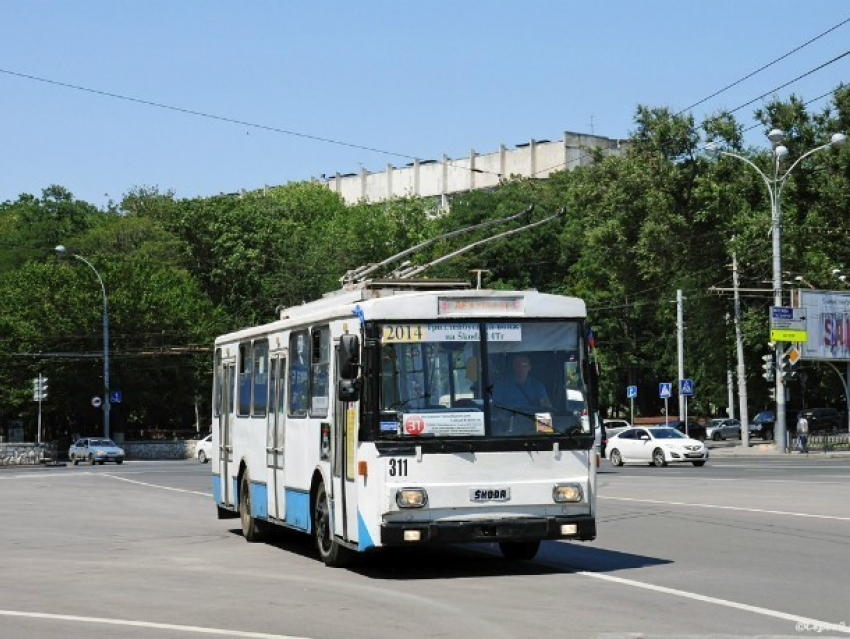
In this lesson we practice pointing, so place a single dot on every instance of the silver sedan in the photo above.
(718, 429)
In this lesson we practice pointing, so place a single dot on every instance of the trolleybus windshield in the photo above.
(481, 379)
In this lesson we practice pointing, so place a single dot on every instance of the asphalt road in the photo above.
(741, 547)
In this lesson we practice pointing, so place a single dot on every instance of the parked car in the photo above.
(820, 420)
(762, 425)
(655, 445)
(614, 426)
(95, 449)
(202, 451)
(718, 429)
(695, 430)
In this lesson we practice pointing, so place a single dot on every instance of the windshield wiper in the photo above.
(404, 402)
(515, 411)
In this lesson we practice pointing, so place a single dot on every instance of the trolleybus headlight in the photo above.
(567, 493)
(411, 497)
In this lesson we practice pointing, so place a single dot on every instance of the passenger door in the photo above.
(225, 425)
(275, 437)
(341, 446)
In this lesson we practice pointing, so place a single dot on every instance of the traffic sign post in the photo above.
(788, 324)
(631, 393)
(665, 389)
(686, 389)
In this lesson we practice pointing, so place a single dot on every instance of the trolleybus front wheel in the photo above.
(331, 551)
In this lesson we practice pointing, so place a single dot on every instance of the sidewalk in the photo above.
(729, 449)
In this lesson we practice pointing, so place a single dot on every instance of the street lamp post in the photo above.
(774, 189)
(62, 251)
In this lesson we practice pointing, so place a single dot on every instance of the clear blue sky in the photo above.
(410, 78)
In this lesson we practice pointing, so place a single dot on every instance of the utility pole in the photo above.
(39, 387)
(742, 371)
(680, 343)
(730, 388)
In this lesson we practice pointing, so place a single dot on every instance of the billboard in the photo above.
(827, 316)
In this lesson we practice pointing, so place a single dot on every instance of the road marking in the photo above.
(804, 623)
(715, 506)
(142, 483)
(146, 624)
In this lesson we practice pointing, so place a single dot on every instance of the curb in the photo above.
(765, 452)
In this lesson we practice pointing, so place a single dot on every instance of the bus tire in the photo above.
(519, 550)
(334, 554)
(252, 529)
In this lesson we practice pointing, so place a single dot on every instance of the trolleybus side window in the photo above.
(299, 349)
(246, 365)
(319, 372)
(217, 384)
(261, 377)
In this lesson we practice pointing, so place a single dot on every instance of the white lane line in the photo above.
(802, 623)
(715, 506)
(142, 483)
(146, 624)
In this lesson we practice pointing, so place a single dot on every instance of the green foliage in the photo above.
(634, 229)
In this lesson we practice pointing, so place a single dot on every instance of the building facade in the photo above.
(446, 177)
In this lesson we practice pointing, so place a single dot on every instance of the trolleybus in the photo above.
(393, 413)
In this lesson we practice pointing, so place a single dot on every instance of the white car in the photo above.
(658, 446)
(203, 449)
(615, 426)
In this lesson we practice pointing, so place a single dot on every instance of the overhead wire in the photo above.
(221, 118)
(748, 76)
(766, 66)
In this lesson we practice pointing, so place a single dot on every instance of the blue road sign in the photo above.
(114, 397)
(665, 390)
(631, 392)
(686, 387)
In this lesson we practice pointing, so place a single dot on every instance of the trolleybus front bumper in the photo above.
(526, 529)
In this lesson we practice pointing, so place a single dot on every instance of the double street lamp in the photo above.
(774, 189)
(62, 251)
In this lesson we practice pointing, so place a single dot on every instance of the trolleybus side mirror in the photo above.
(349, 356)
(348, 386)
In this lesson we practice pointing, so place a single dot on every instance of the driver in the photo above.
(521, 390)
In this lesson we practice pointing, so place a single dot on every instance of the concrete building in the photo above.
(445, 177)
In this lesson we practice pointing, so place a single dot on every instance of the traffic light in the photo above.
(786, 366)
(39, 389)
(767, 367)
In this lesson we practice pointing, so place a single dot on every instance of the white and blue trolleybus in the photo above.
(402, 412)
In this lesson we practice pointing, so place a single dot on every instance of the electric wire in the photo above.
(766, 66)
(799, 77)
(221, 118)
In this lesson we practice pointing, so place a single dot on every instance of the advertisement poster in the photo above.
(827, 325)
(443, 424)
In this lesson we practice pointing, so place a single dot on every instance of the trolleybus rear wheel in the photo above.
(252, 529)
